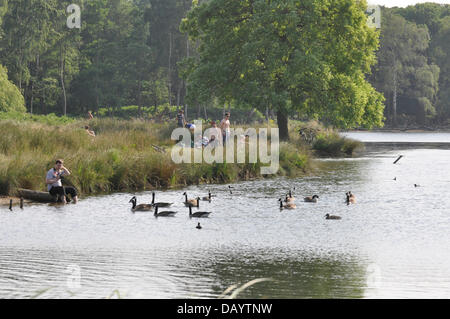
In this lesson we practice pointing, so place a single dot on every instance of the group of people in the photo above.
(220, 136)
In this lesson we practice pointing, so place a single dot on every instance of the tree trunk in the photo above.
(394, 101)
(178, 94)
(186, 84)
(62, 80)
(282, 120)
(36, 196)
(170, 73)
(139, 101)
(31, 99)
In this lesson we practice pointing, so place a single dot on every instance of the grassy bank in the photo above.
(119, 158)
(326, 142)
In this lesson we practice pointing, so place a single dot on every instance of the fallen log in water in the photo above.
(36, 196)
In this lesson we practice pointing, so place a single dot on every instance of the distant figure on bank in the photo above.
(225, 127)
(180, 118)
(90, 116)
(89, 131)
(216, 134)
(54, 184)
(191, 128)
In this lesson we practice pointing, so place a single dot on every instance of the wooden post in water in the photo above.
(21, 202)
(10, 204)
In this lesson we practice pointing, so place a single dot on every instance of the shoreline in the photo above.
(4, 200)
(400, 130)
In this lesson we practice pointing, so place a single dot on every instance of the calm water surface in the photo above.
(393, 243)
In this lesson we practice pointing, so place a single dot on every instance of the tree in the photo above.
(309, 55)
(3, 9)
(441, 54)
(10, 97)
(403, 71)
(27, 27)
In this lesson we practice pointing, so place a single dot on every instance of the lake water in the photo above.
(394, 243)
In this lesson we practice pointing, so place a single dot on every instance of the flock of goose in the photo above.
(287, 203)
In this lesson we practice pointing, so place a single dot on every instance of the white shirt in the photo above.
(51, 174)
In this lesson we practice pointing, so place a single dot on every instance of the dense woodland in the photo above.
(148, 53)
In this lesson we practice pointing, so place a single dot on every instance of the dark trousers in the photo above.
(63, 191)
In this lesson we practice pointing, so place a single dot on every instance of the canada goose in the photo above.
(416, 185)
(312, 199)
(159, 204)
(351, 199)
(10, 204)
(395, 178)
(163, 214)
(190, 202)
(290, 195)
(207, 198)
(286, 206)
(141, 207)
(229, 187)
(198, 226)
(289, 199)
(328, 216)
(198, 214)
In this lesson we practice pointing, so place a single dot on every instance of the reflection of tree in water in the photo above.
(294, 276)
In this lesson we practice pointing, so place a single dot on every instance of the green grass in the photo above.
(50, 119)
(119, 158)
(331, 144)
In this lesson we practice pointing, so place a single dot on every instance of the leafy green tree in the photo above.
(441, 56)
(10, 97)
(310, 56)
(428, 14)
(27, 27)
(403, 69)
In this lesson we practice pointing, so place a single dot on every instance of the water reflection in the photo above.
(178, 273)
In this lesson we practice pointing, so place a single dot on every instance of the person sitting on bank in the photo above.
(54, 184)
(89, 131)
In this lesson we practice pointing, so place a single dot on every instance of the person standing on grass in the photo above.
(180, 118)
(90, 116)
(225, 127)
(54, 184)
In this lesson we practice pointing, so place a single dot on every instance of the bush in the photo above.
(331, 143)
(10, 97)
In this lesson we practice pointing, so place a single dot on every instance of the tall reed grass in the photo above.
(119, 158)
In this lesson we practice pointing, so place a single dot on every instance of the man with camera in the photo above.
(54, 184)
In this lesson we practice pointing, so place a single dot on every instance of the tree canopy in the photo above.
(292, 55)
(413, 70)
(305, 59)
